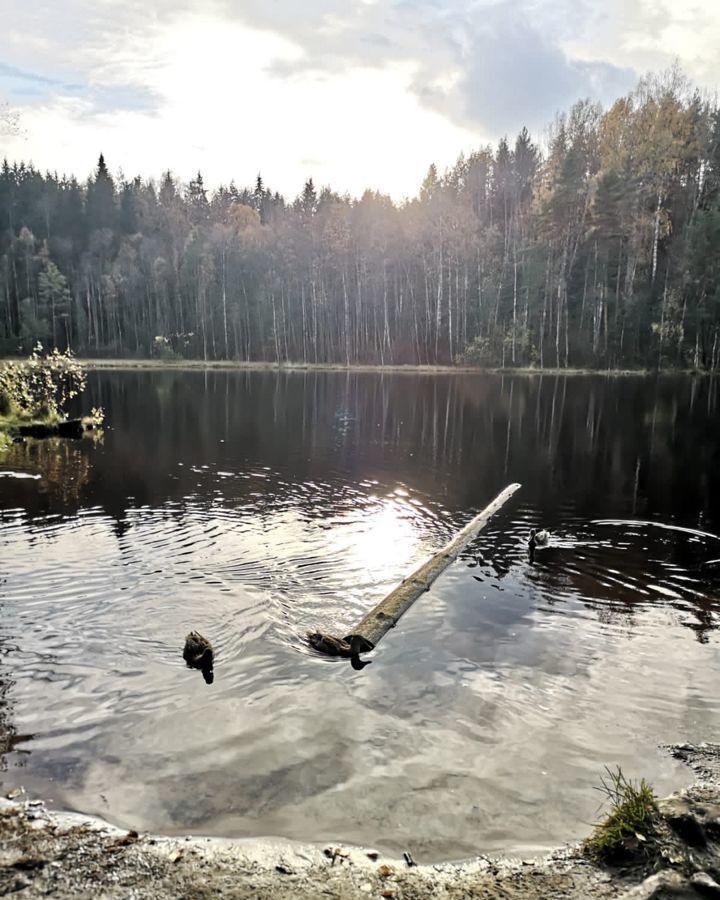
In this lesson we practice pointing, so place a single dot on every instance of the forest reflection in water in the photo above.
(253, 506)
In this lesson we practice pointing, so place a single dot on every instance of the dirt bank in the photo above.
(63, 855)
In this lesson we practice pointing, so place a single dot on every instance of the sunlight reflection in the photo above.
(384, 540)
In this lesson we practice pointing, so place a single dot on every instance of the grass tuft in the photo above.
(630, 825)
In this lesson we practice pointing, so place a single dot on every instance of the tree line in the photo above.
(602, 251)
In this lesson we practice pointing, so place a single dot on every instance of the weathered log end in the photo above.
(359, 644)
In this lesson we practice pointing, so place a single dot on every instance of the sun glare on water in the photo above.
(385, 540)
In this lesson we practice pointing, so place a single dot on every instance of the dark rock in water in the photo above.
(198, 654)
(686, 821)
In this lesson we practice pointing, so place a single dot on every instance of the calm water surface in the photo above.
(253, 506)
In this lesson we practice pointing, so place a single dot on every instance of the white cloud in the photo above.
(356, 95)
(221, 110)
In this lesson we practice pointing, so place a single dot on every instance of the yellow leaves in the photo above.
(243, 218)
(654, 133)
(615, 140)
(43, 384)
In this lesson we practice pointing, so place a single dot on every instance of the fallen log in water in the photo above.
(69, 428)
(373, 626)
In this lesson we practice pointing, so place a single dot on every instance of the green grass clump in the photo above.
(631, 823)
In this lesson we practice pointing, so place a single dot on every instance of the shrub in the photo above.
(42, 385)
(481, 351)
(163, 348)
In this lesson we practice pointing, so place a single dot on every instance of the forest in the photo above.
(597, 248)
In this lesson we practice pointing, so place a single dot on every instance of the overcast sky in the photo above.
(355, 93)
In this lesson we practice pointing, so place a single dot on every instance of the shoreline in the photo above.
(92, 363)
(68, 855)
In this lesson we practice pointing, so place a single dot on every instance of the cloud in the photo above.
(228, 116)
(83, 47)
(13, 73)
(514, 76)
(22, 85)
(371, 91)
(489, 66)
(495, 65)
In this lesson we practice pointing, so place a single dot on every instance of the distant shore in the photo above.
(411, 369)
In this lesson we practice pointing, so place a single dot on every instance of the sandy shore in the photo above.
(65, 855)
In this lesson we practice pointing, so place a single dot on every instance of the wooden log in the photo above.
(373, 626)
(71, 428)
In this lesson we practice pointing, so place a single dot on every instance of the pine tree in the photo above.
(197, 200)
(101, 210)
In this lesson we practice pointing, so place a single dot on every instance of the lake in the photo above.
(253, 506)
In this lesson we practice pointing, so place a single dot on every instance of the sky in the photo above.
(353, 93)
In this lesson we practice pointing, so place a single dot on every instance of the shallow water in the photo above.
(253, 506)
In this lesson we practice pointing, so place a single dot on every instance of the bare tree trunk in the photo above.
(275, 329)
(656, 236)
(304, 322)
(224, 303)
(386, 325)
(450, 318)
(346, 311)
(661, 340)
(438, 314)
(515, 281)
